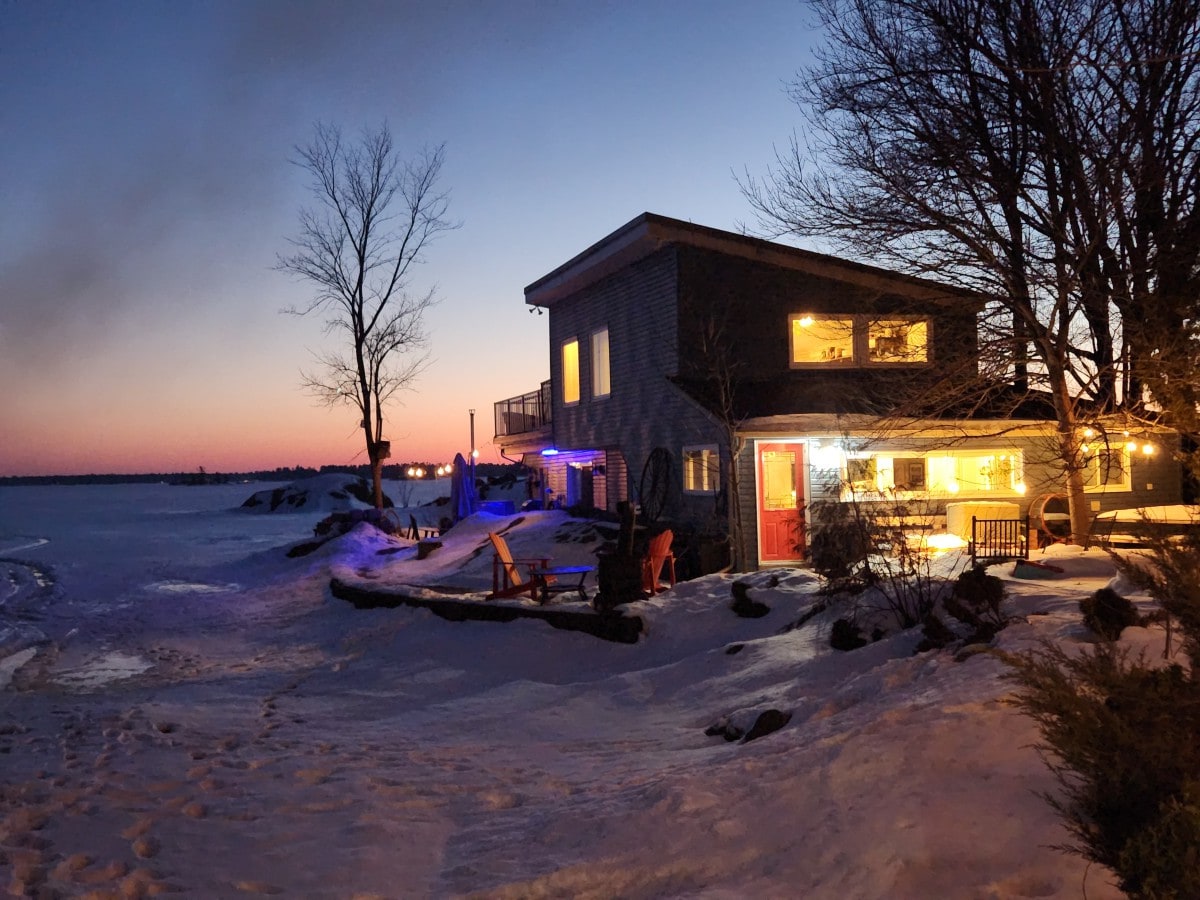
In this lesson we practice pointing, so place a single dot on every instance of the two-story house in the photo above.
(688, 363)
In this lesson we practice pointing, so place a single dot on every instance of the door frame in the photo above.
(804, 486)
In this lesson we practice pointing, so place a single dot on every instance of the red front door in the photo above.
(780, 502)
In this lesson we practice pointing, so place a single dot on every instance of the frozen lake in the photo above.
(184, 708)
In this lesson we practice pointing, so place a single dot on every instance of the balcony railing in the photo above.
(529, 412)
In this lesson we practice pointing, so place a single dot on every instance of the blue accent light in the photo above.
(550, 451)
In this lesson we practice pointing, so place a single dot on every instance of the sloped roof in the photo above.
(648, 232)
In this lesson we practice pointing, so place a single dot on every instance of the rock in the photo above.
(769, 720)
(742, 604)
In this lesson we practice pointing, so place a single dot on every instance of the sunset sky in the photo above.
(146, 190)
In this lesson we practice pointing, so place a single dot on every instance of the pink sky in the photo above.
(139, 307)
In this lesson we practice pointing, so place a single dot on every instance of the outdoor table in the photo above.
(559, 580)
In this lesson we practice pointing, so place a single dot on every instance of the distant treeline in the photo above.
(283, 473)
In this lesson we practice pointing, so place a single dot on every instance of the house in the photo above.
(695, 370)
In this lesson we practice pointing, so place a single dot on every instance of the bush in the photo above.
(839, 541)
(845, 635)
(1121, 740)
(1166, 854)
(1107, 613)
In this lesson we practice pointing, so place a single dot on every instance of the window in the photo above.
(601, 386)
(570, 371)
(701, 470)
(822, 340)
(898, 341)
(1106, 468)
(967, 472)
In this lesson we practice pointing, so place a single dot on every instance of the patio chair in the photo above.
(539, 579)
(508, 579)
(656, 557)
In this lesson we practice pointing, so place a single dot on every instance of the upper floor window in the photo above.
(601, 385)
(701, 469)
(898, 341)
(821, 340)
(570, 371)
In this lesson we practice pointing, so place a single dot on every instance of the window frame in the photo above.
(876, 464)
(711, 470)
(572, 370)
(597, 392)
(1126, 457)
(860, 351)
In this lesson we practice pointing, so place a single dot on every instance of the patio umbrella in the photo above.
(462, 489)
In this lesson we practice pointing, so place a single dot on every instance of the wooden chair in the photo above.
(539, 579)
(658, 555)
(507, 578)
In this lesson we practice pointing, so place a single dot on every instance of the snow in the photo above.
(184, 707)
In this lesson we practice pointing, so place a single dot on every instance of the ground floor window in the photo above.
(947, 473)
(1106, 468)
(701, 469)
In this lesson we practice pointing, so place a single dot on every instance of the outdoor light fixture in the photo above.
(1147, 449)
(550, 451)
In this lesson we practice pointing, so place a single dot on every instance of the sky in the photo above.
(146, 192)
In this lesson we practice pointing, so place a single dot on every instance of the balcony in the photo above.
(525, 414)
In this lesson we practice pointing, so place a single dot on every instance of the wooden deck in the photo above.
(609, 626)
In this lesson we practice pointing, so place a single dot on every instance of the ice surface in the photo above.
(199, 713)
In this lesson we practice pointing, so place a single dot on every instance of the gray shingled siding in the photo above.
(645, 410)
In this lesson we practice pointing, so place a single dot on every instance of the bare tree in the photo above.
(1017, 147)
(375, 214)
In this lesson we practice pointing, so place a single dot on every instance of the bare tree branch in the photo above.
(374, 216)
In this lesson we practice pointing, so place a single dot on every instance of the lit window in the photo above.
(570, 371)
(822, 340)
(953, 473)
(1106, 468)
(701, 470)
(898, 341)
(601, 387)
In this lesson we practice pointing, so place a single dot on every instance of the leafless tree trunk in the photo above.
(374, 215)
(1042, 152)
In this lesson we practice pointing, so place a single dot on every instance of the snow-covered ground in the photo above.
(186, 708)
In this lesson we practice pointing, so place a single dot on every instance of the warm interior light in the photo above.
(1148, 449)
(945, 541)
(1088, 433)
(952, 486)
(1019, 487)
(806, 321)
(1131, 446)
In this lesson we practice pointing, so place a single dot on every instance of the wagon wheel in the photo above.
(655, 484)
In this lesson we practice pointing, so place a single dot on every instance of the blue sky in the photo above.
(146, 191)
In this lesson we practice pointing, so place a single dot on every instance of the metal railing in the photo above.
(529, 412)
(999, 539)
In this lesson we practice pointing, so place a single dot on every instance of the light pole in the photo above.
(473, 452)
